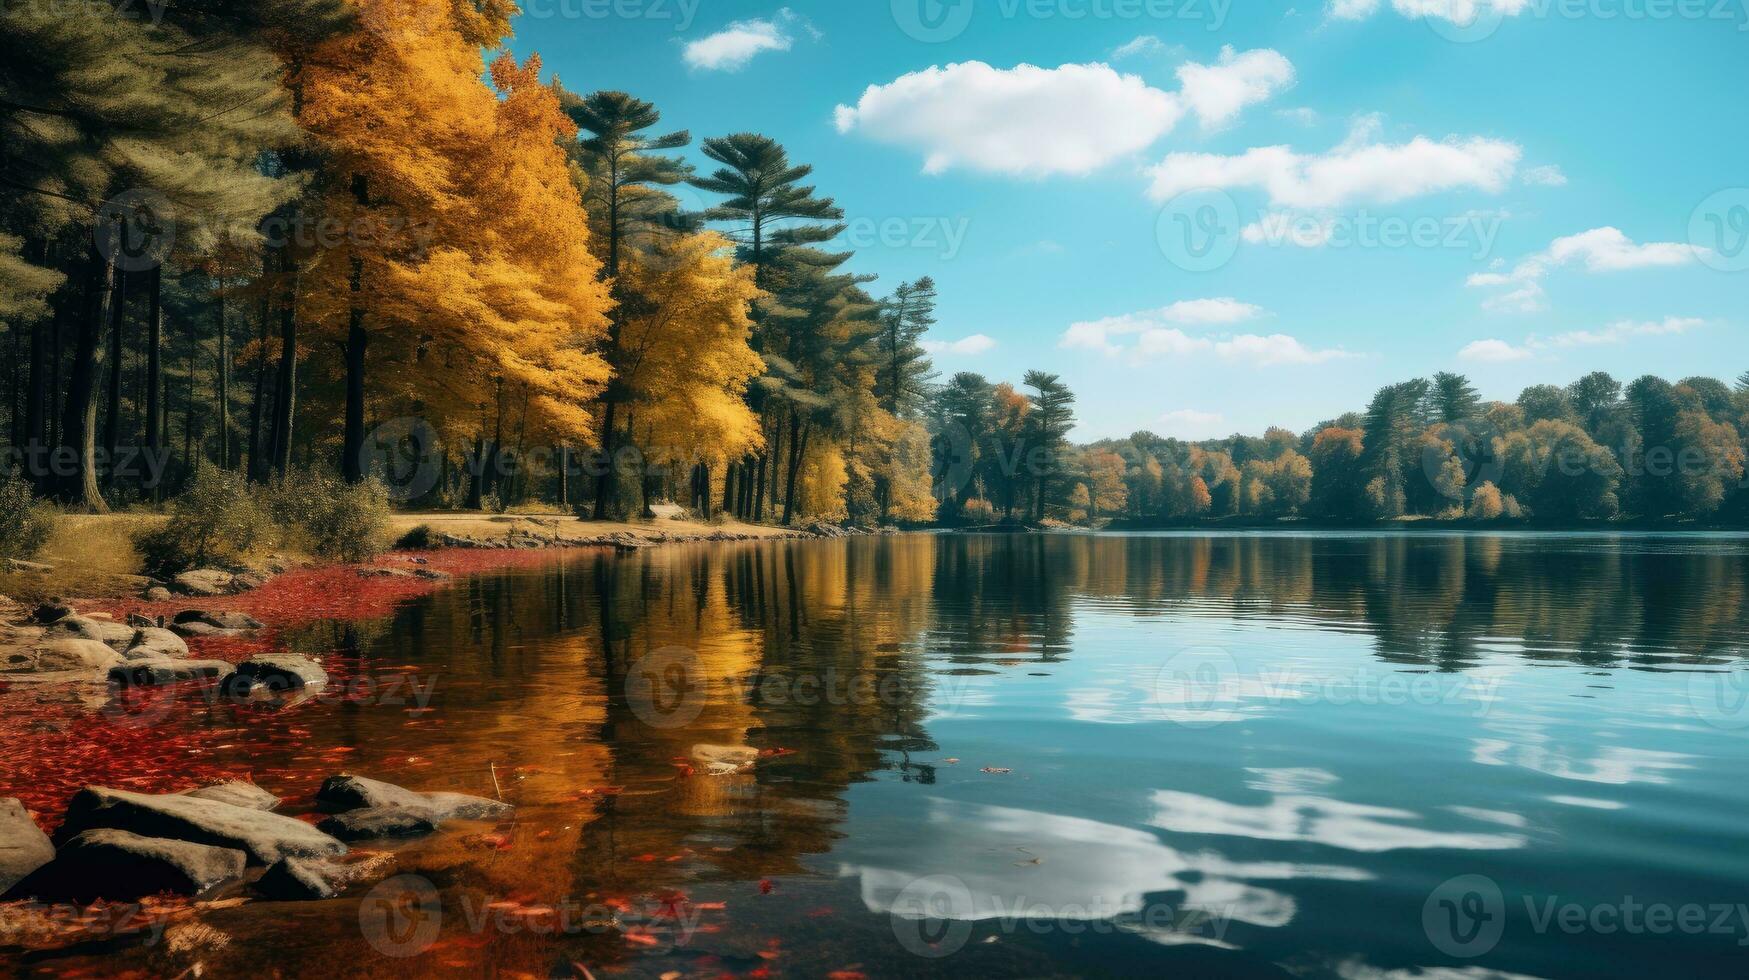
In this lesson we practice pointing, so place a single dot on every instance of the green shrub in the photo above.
(416, 539)
(324, 516)
(25, 524)
(216, 522)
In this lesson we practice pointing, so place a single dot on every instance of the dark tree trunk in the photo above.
(606, 486)
(285, 387)
(798, 450)
(79, 422)
(352, 440)
(257, 464)
(112, 408)
(223, 366)
(154, 378)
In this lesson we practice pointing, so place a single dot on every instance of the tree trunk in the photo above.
(79, 422)
(285, 388)
(112, 408)
(798, 450)
(352, 439)
(256, 468)
(224, 383)
(154, 378)
(606, 486)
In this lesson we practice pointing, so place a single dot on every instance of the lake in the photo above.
(1318, 755)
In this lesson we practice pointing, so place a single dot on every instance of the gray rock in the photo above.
(237, 793)
(157, 644)
(157, 593)
(117, 635)
(349, 792)
(295, 880)
(219, 620)
(118, 865)
(276, 672)
(23, 846)
(205, 581)
(380, 821)
(53, 655)
(146, 673)
(264, 837)
(201, 629)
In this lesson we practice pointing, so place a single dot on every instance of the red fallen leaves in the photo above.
(765, 886)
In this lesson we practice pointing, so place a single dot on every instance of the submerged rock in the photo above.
(276, 672)
(119, 865)
(295, 880)
(146, 673)
(380, 821)
(23, 845)
(264, 837)
(237, 793)
(347, 792)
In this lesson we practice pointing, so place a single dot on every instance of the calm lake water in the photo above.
(1327, 755)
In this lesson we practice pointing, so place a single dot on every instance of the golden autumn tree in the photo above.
(449, 228)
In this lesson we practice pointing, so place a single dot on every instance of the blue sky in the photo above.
(1372, 190)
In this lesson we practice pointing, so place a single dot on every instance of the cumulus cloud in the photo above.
(1455, 11)
(1146, 44)
(1545, 176)
(1619, 332)
(1160, 333)
(967, 346)
(1361, 169)
(1519, 289)
(1494, 352)
(1032, 121)
(731, 48)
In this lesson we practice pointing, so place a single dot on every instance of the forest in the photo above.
(289, 236)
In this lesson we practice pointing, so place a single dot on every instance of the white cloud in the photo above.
(1360, 169)
(731, 48)
(1098, 334)
(1494, 352)
(1303, 115)
(1625, 330)
(1622, 331)
(1146, 44)
(1218, 93)
(975, 344)
(1158, 333)
(1297, 228)
(1457, 11)
(1598, 250)
(1032, 121)
(1189, 423)
(1545, 176)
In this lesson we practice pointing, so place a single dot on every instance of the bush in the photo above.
(25, 524)
(216, 522)
(324, 516)
(416, 539)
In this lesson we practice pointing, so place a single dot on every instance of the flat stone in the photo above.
(264, 837)
(23, 845)
(295, 880)
(205, 581)
(276, 672)
(348, 792)
(113, 634)
(56, 655)
(237, 793)
(157, 593)
(159, 643)
(380, 821)
(121, 866)
(146, 673)
(225, 620)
